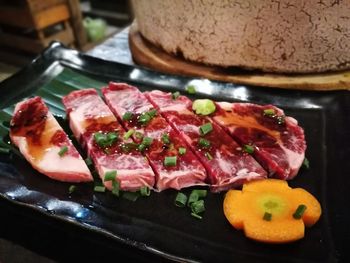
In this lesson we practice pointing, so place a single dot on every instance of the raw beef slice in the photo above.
(44, 144)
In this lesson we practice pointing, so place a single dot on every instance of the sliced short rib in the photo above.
(227, 165)
(278, 142)
(44, 144)
(88, 115)
(188, 171)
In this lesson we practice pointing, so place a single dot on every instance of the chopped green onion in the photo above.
(165, 138)
(110, 176)
(248, 148)
(198, 207)
(131, 196)
(128, 134)
(191, 89)
(208, 155)
(111, 138)
(175, 95)
(299, 211)
(180, 199)
(88, 161)
(204, 143)
(182, 150)
(269, 112)
(105, 140)
(196, 216)
(127, 116)
(306, 163)
(146, 142)
(71, 189)
(170, 160)
(206, 128)
(99, 188)
(145, 117)
(200, 192)
(99, 138)
(203, 106)
(152, 113)
(138, 135)
(115, 188)
(141, 147)
(145, 191)
(63, 151)
(193, 198)
(4, 150)
(267, 216)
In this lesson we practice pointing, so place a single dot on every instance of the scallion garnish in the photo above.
(111, 138)
(175, 95)
(306, 163)
(196, 216)
(105, 140)
(128, 134)
(165, 138)
(191, 89)
(208, 155)
(146, 142)
(198, 207)
(206, 128)
(200, 192)
(299, 211)
(131, 196)
(99, 188)
(145, 117)
(71, 189)
(192, 198)
(110, 176)
(182, 150)
(269, 112)
(180, 199)
(152, 113)
(267, 216)
(170, 160)
(145, 191)
(99, 138)
(63, 151)
(248, 148)
(127, 116)
(115, 188)
(204, 143)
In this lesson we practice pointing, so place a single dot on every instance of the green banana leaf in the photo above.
(51, 92)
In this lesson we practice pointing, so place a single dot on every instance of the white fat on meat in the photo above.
(67, 167)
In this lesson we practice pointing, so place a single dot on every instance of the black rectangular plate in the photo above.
(154, 225)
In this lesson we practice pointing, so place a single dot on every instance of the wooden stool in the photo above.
(30, 25)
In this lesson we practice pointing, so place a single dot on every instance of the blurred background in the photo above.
(28, 26)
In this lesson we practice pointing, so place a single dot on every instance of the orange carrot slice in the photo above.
(246, 209)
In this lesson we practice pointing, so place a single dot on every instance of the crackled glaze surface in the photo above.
(276, 36)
